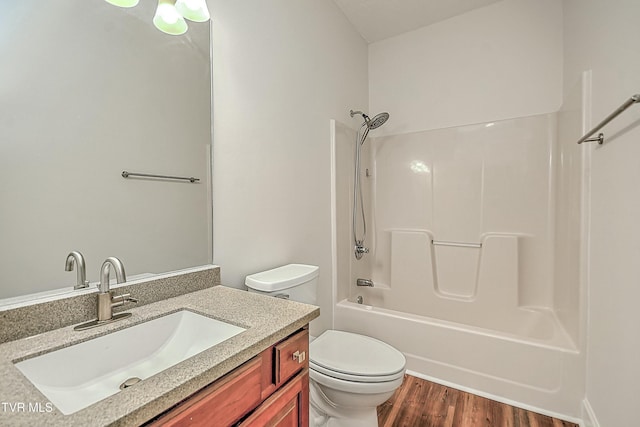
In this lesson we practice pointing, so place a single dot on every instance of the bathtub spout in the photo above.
(364, 282)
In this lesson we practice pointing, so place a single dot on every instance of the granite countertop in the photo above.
(267, 320)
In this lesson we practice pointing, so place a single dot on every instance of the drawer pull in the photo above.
(290, 356)
(299, 356)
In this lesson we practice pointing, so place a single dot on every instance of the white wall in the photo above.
(498, 62)
(282, 70)
(602, 35)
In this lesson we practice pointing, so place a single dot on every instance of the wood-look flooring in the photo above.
(421, 403)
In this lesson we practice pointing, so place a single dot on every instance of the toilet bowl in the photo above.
(349, 374)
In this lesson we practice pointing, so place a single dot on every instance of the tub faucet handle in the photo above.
(360, 251)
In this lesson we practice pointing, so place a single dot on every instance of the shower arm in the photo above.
(366, 118)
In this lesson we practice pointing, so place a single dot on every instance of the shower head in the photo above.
(378, 120)
(374, 123)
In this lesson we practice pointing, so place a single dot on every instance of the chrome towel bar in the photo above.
(600, 138)
(458, 244)
(126, 174)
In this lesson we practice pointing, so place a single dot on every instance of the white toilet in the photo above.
(350, 374)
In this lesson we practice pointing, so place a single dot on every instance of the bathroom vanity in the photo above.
(256, 377)
(270, 389)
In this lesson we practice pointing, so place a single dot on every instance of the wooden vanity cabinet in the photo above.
(272, 389)
(288, 407)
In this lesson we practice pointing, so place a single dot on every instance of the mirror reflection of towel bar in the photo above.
(459, 244)
(126, 174)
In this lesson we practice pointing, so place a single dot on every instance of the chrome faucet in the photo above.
(117, 265)
(106, 299)
(76, 259)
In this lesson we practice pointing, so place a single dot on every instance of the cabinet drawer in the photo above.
(287, 407)
(291, 356)
(222, 403)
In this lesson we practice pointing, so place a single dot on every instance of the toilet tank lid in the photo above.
(283, 277)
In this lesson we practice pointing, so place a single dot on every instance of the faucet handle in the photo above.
(119, 300)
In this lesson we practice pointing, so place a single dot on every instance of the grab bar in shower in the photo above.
(600, 138)
(458, 244)
(126, 174)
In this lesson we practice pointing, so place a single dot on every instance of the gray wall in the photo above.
(282, 70)
(88, 90)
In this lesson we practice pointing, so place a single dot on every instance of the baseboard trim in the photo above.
(589, 415)
(500, 399)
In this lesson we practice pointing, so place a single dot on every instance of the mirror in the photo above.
(88, 90)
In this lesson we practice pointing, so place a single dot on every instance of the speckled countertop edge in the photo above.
(79, 306)
(267, 320)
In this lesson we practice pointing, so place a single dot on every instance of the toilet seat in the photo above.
(355, 358)
(355, 378)
(356, 387)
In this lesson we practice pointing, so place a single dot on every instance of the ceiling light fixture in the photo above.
(168, 19)
(123, 3)
(170, 14)
(193, 10)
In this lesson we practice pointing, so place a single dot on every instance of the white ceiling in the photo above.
(380, 19)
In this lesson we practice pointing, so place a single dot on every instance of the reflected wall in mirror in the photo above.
(88, 90)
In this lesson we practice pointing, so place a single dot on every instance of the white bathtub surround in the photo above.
(466, 184)
(487, 188)
(470, 156)
(462, 247)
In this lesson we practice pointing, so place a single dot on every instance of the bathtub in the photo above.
(461, 238)
(535, 371)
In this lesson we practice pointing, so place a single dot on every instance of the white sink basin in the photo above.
(75, 377)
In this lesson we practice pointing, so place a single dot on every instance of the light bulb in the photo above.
(168, 20)
(193, 10)
(123, 3)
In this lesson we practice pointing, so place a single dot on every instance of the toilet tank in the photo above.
(296, 282)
